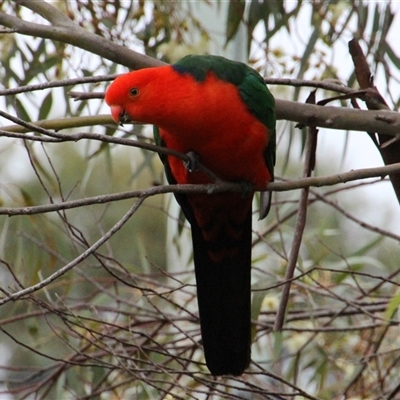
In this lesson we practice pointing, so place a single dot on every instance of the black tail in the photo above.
(223, 268)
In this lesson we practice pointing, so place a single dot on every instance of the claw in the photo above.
(192, 164)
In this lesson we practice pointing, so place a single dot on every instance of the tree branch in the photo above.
(59, 124)
(332, 85)
(390, 152)
(210, 188)
(387, 122)
(60, 83)
(309, 165)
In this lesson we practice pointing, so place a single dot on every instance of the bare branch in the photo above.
(387, 122)
(330, 180)
(61, 83)
(327, 84)
(217, 187)
(309, 165)
(208, 188)
(58, 125)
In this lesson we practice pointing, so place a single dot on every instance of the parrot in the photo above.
(222, 115)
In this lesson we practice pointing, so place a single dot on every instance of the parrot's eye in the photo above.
(134, 92)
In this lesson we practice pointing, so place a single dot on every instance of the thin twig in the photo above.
(332, 85)
(60, 83)
(217, 187)
(298, 230)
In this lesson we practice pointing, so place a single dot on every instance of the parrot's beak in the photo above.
(120, 116)
(116, 113)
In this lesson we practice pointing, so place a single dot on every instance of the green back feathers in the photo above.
(250, 84)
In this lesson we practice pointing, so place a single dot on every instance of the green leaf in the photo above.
(21, 111)
(392, 55)
(256, 304)
(369, 246)
(235, 15)
(46, 106)
(362, 18)
(392, 307)
(26, 198)
(375, 27)
(37, 68)
(254, 17)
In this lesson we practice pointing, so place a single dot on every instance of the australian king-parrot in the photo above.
(221, 112)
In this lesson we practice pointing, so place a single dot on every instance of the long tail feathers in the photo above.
(223, 268)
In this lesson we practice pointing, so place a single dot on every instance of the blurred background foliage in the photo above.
(123, 323)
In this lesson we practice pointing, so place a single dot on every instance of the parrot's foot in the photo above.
(192, 164)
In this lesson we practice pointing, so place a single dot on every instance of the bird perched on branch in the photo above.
(222, 114)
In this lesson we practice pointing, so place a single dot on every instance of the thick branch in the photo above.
(387, 122)
(47, 11)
